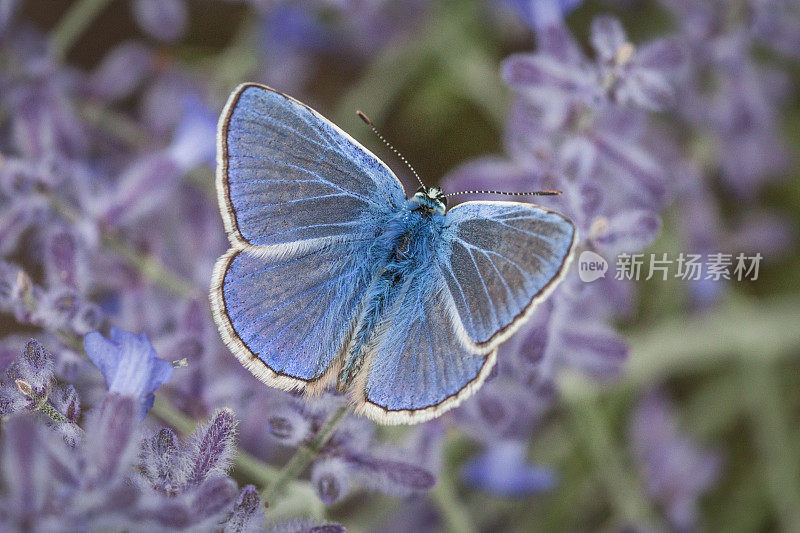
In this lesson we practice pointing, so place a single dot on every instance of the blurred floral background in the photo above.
(672, 127)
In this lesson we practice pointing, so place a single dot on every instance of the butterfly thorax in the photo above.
(403, 249)
(429, 199)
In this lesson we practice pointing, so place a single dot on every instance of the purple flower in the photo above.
(248, 513)
(27, 380)
(676, 469)
(331, 479)
(503, 469)
(194, 141)
(121, 72)
(129, 364)
(164, 20)
(212, 448)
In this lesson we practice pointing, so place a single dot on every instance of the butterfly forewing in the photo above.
(286, 175)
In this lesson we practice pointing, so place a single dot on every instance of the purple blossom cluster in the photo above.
(609, 129)
(111, 473)
(677, 471)
(83, 182)
(109, 225)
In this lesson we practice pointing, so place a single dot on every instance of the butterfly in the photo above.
(335, 279)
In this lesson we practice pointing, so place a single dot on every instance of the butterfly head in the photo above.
(431, 198)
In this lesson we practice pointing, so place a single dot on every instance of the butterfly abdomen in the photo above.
(411, 240)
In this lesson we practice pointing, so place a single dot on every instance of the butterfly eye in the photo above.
(442, 198)
(421, 189)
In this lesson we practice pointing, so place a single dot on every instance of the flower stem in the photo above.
(305, 454)
(626, 496)
(454, 513)
(79, 16)
(772, 428)
(149, 266)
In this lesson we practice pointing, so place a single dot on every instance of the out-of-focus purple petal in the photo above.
(61, 259)
(769, 234)
(647, 89)
(661, 54)
(213, 496)
(503, 469)
(288, 425)
(109, 445)
(390, 476)
(607, 37)
(161, 462)
(676, 469)
(161, 105)
(194, 142)
(121, 72)
(25, 472)
(525, 72)
(594, 349)
(628, 231)
(7, 9)
(164, 20)
(142, 188)
(543, 14)
(129, 365)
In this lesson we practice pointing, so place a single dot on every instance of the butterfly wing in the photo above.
(288, 178)
(495, 261)
(419, 369)
(301, 201)
(288, 318)
(500, 259)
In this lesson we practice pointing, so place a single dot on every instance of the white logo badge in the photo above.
(591, 266)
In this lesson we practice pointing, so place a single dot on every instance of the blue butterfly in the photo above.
(335, 278)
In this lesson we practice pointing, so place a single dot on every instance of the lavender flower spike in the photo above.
(129, 364)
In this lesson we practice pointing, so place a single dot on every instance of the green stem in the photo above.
(456, 516)
(117, 124)
(626, 496)
(305, 455)
(770, 421)
(732, 334)
(80, 15)
(149, 266)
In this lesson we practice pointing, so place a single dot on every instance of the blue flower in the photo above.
(129, 364)
(503, 469)
(194, 140)
(540, 14)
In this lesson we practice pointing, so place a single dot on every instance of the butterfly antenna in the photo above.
(369, 123)
(533, 193)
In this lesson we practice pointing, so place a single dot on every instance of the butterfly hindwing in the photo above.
(418, 368)
(499, 259)
(288, 318)
(287, 176)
